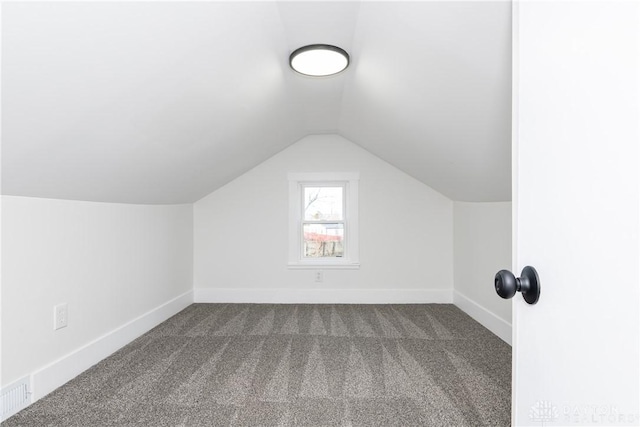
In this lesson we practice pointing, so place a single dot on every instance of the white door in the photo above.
(576, 212)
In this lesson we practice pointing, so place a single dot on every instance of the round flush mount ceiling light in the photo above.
(319, 60)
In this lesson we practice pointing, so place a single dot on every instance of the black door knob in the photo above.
(528, 284)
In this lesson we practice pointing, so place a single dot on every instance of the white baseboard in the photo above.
(55, 374)
(486, 318)
(322, 296)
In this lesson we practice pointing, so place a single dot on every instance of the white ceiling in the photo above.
(164, 102)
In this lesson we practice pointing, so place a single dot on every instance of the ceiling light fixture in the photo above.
(319, 60)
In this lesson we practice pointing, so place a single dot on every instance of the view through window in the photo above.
(323, 221)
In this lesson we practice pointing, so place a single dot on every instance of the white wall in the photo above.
(111, 263)
(482, 247)
(241, 234)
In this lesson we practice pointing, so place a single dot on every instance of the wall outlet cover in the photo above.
(60, 316)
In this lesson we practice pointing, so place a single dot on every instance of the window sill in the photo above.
(323, 266)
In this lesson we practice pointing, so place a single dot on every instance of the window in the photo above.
(323, 220)
(323, 211)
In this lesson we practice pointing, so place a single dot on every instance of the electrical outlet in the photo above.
(319, 277)
(60, 316)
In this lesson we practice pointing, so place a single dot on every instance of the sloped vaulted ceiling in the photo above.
(164, 102)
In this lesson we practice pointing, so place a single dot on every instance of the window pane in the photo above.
(323, 240)
(323, 203)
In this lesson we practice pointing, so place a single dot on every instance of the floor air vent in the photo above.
(14, 397)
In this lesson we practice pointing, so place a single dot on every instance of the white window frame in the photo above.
(297, 182)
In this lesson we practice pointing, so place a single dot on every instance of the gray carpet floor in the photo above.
(285, 365)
